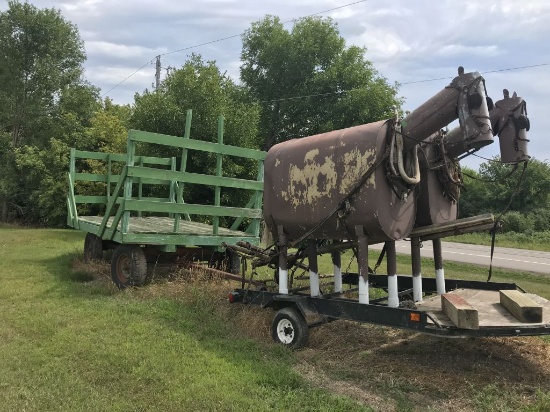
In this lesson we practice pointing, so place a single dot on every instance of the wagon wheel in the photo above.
(228, 262)
(289, 328)
(128, 266)
(232, 262)
(93, 248)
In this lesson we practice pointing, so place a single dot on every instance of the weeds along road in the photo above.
(507, 258)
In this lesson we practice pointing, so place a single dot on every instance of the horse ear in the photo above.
(515, 94)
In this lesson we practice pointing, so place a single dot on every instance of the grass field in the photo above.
(69, 340)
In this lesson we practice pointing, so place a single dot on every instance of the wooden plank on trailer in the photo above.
(458, 309)
(522, 307)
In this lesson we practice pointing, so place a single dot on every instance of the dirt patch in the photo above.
(426, 371)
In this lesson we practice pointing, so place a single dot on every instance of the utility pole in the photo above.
(157, 73)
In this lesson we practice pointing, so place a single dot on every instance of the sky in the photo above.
(407, 41)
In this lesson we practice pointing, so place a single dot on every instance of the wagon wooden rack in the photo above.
(138, 226)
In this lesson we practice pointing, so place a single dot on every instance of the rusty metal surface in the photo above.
(435, 204)
(475, 129)
(465, 99)
(307, 178)
(509, 119)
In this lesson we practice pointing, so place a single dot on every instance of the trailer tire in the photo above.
(93, 248)
(128, 266)
(289, 328)
(227, 261)
(233, 262)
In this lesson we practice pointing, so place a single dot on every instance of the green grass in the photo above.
(68, 343)
(69, 340)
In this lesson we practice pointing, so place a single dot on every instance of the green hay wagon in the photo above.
(139, 212)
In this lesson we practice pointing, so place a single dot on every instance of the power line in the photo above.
(226, 38)
(131, 75)
(401, 84)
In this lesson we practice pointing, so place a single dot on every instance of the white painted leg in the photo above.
(417, 288)
(393, 296)
(283, 281)
(314, 283)
(337, 279)
(440, 281)
(363, 289)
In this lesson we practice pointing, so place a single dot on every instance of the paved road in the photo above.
(517, 259)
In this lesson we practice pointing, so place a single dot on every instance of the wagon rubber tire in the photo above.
(93, 248)
(289, 328)
(227, 261)
(233, 262)
(128, 266)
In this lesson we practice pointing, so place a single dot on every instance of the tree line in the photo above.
(293, 82)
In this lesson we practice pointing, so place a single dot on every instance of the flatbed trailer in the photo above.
(299, 312)
(139, 225)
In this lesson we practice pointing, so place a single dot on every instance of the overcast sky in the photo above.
(408, 41)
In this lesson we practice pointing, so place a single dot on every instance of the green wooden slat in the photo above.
(183, 168)
(148, 137)
(112, 201)
(140, 186)
(182, 240)
(240, 219)
(192, 209)
(194, 178)
(90, 177)
(128, 184)
(109, 233)
(218, 189)
(88, 227)
(71, 205)
(96, 200)
(70, 216)
(120, 157)
(255, 224)
(109, 176)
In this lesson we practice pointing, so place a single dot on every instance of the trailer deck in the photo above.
(161, 225)
(491, 313)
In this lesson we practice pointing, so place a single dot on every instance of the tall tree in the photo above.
(496, 184)
(200, 86)
(280, 67)
(41, 56)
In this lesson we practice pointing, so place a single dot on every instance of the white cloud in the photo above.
(460, 50)
(121, 51)
(381, 44)
(108, 76)
(406, 41)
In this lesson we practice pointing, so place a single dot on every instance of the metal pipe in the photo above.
(416, 269)
(391, 259)
(337, 263)
(438, 263)
(416, 178)
(313, 268)
(363, 263)
(283, 264)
